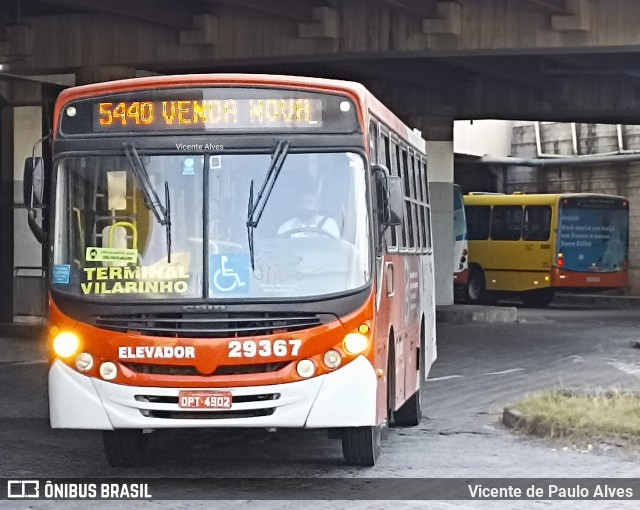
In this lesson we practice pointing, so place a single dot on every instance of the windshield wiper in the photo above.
(255, 209)
(151, 199)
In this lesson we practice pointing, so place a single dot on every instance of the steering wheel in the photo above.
(313, 230)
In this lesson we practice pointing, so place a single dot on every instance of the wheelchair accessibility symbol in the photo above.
(230, 274)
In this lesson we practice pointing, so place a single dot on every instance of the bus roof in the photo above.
(525, 198)
(358, 92)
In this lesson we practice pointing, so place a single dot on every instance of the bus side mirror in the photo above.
(390, 196)
(33, 182)
(395, 198)
(33, 195)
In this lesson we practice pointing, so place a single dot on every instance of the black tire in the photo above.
(476, 290)
(124, 448)
(361, 445)
(410, 414)
(537, 298)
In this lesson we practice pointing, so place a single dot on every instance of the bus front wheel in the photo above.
(361, 445)
(124, 448)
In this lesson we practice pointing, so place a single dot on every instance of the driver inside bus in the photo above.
(308, 221)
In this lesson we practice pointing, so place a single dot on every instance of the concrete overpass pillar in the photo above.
(438, 132)
(6, 212)
(87, 75)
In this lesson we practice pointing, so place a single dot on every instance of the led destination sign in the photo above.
(210, 113)
(219, 109)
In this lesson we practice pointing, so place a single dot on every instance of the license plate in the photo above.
(204, 399)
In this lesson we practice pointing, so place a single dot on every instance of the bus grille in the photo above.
(207, 415)
(221, 325)
(188, 370)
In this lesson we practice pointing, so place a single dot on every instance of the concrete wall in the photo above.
(482, 137)
(616, 179)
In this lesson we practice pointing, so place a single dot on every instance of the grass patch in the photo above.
(563, 414)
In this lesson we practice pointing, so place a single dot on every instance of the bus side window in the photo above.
(392, 232)
(537, 223)
(478, 222)
(373, 142)
(506, 223)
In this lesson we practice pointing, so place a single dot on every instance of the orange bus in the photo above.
(235, 251)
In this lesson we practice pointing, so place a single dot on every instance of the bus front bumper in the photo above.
(343, 398)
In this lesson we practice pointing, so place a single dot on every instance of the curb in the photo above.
(515, 420)
(512, 418)
(597, 301)
(21, 330)
(463, 314)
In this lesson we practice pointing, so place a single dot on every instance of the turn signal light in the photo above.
(355, 343)
(66, 344)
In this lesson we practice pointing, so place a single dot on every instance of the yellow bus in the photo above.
(531, 245)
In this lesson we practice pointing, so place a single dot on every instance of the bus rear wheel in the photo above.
(361, 445)
(477, 293)
(124, 448)
(537, 298)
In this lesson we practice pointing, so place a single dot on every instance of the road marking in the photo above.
(627, 368)
(505, 371)
(445, 378)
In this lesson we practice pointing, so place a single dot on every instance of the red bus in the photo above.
(235, 251)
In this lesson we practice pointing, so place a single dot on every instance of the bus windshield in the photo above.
(312, 238)
(459, 220)
(593, 237)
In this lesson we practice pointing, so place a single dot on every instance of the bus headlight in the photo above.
(355, 343)
(66, 344)
(332, 359)
(84, 362)
(108, 370)
(305, 368)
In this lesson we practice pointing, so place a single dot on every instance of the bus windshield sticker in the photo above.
(61, 273)
(155, 279)
(230, 274)
(189, 166)
(215, 162)
(95, 254)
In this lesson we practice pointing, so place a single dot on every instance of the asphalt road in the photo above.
(481, 368)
